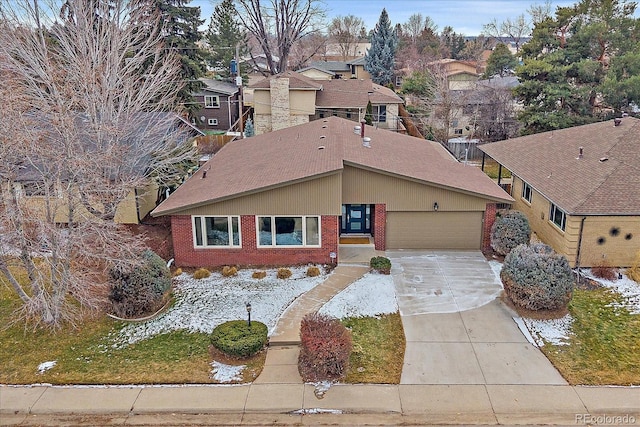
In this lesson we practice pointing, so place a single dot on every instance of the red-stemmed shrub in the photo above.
(325, 348)
(604, 271)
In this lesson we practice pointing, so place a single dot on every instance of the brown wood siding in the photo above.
(434, 230)
(363, 186)
(316, 197)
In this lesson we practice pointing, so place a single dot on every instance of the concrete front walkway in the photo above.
(281, 365)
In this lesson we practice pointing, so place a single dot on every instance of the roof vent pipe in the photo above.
(356, 130)
(580, 152)
(362, 124)
(617, 121)
(366, 142)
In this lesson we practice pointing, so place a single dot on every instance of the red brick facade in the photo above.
(487, 223)
(379, 222)
(186, 255)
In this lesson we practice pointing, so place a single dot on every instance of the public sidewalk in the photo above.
(288, 404)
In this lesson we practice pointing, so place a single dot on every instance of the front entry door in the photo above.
(355, 219)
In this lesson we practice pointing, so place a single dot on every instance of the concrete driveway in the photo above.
(457, 331)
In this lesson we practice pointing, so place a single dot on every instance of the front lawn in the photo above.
(378, 349)
(604, 344)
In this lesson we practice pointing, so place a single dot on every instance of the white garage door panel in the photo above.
(434, 230)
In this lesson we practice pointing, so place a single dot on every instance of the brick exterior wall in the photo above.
(379, 223)
(487, 223)
(186, 255)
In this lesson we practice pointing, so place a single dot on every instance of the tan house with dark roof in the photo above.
(291, 98)
(580, 189)
(286, 197)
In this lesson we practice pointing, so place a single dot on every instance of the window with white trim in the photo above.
(211, 101)
(289, 231)
(216, 231)
(213, 122)
(557, 216)
(526, 192)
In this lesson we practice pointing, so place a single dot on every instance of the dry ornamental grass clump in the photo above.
(260, 274)
(284, 273)
(201, 273)
(229, 271)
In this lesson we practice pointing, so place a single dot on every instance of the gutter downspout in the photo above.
(229, 111)
(579, 245)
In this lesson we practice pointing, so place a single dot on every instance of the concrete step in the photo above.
(283, 342)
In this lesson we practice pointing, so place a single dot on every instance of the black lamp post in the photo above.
(248, 305)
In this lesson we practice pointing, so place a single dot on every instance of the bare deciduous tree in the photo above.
(278, 25)
(509, 30)
(416, 24)
(88, 107)
(345, 31)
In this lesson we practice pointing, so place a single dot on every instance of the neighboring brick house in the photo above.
(580, 189)
(285, 197)
(291, 98)
(219, 105)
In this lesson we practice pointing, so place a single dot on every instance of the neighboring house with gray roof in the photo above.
(580, 189)
(286, 197)
(291, 98)
(219, 105)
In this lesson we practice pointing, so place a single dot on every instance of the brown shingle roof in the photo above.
(354, 93)
(587, 186)
(296, 81)
(292, 154)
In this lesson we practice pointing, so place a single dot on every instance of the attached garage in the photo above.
(434, 230)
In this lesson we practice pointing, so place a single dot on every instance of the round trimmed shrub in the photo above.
(229, 271)
(140, 290)
(380, 264)
(259, 274)
(235, 338)
(537, 278)
(510, 230)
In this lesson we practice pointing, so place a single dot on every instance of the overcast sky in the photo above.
(465, 16)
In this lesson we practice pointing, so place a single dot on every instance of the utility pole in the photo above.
(239, 84)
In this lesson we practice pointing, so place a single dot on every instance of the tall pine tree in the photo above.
(223, 36)
(181, 35)
(380, 58)
(574, 61)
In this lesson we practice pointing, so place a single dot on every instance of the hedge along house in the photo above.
(286, 197)
(580, 189)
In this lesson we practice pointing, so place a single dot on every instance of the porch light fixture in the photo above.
(248, 306)
(435, 206)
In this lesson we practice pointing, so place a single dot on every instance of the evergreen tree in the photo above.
(500, 62)
(380, 58)
(452, 43)
(368, 115)
(223, 36)
(249, 129)
(181, 35)
(574, 60)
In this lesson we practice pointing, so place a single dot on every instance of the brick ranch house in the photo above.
(286, 197)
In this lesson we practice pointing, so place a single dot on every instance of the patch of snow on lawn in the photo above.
(371, 295)
(203, 304)
(45, 366)
(226, 373)
(626, 287)
(552, 331)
